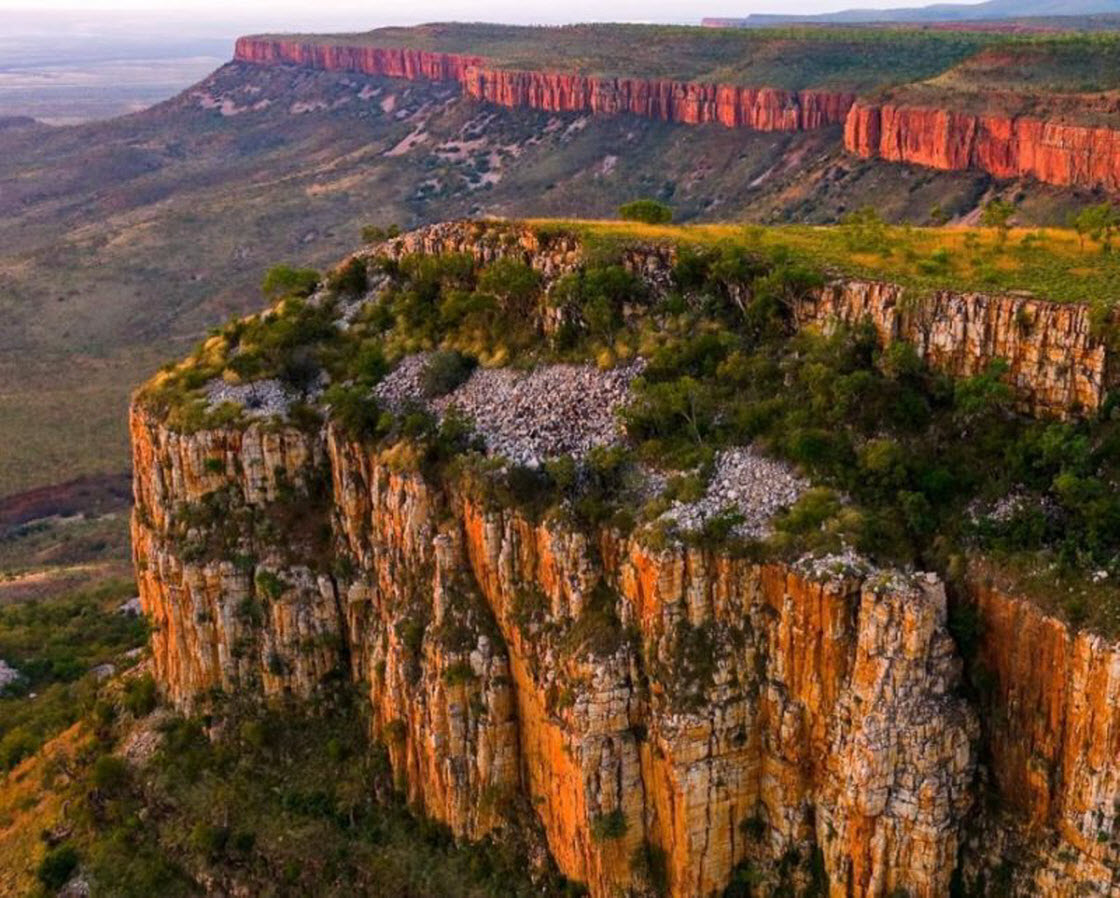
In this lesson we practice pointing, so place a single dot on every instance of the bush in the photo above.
(284, 280)
(350, 279)
(646, 211)
(375, 234)
(140, 697)
(57, 867)
(110, 774)
(445, 371)
(609, 827)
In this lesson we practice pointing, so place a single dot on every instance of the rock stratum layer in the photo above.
(1006, 146)
(1057, 150)
(733, 713)
(684, 102)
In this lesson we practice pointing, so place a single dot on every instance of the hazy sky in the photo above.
(351, 13)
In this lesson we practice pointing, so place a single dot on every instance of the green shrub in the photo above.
(445, 371)
(284, 280)
(646, 211)
(57, 866)
(111, 774)
(350, 279)
(140, 695)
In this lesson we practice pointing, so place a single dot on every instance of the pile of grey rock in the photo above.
(552, 410)
(258, 398)
(8, 675)
(746, 484)
(525, 416)
(405, 383)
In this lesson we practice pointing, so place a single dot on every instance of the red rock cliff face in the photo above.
(1055, 152)
(715, 709)
(759, 109)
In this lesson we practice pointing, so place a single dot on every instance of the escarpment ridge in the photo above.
(673, 713)
(1064, 153)
(758, 108)
(888, 96)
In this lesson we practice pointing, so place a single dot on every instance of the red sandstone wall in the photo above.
(691, 103)
(1068, 155)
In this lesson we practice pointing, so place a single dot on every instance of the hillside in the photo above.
(683, 545)
(991, 10)
(126, 238)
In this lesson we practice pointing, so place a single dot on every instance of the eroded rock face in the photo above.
(760, 109)
(1053, 151)
(1050, 702)
(1058, 366)
(639, 701)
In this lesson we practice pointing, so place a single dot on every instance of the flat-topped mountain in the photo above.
(679, 551)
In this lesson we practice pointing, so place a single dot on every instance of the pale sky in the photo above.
(328, 14)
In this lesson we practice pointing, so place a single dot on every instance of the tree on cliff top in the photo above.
(1098, 223)
(646, 211)
(997, 214)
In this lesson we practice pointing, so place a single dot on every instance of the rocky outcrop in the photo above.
(1007, 146)
(683, 102)
(1057, 365)
(646, 704)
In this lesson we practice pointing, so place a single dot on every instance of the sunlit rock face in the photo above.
(684, 102)
(1053, 151)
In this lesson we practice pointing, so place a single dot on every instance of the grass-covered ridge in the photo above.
(853, 59)
(908, 466)
(1055, 264)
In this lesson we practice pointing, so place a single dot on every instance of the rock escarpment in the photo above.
(668, 714)
(1058, 364)
(1055, 151)
(671, 703)
(684, 102)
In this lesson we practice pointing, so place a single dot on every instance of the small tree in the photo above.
(646, 211)
(997, 214)
(1098, 223)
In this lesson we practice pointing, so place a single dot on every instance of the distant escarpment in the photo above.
(758, 108)
(1053, 150)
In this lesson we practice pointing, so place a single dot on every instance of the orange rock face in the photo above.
(1058, 367)
(1051, 710)
(651, 703)
(640, 701)
(691, 103)
(1056, 152)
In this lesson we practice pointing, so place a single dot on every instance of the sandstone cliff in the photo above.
(667, 713)
(1055, 151)
(756, 108)
(674, 701)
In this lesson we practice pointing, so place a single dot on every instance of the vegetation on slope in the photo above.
(1056, 264)
(909, 466)
(269, 801)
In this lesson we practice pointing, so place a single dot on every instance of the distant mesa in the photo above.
(937, 12)
(1042, 109)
